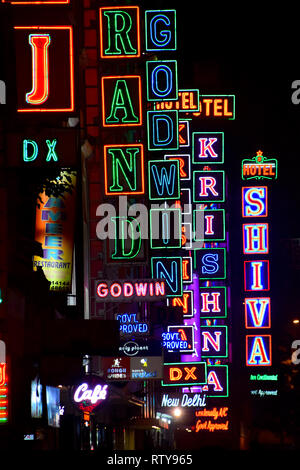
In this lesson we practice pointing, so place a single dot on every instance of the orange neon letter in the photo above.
(175, 374)
(2, 373)
(40, 71)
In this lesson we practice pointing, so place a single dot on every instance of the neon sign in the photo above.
(186, 334)
(213, 226)
(216, 106)
(259, 167)
(37, 2)
(119, 32)
(214, 341)
(129, 324)
(211, 263)
(258, 312)
(165, 225)
(186, 302)
(161, 80)
(170, 270)
(90, 394)
(256, 238)
(182, 374)
(217, 381)
(209, 186)
(259, 350)
(196, 400)
(160, 28)
(184, 165)
(213, 302)
(114, 291)
(184, 133)
(188, 101)
(121, 100)
(174, 341)
(162, 130)
(124, 169)
(214, 424)
(48, 45)
(256, 275)
(164, 179)
(254, 201)
(208, 147)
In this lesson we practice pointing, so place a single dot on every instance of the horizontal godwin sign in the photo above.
(135, 289)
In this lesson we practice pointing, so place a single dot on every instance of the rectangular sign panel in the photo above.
(183, 374)
(45, 148)
(54, 229)
(45, 69)
(259, 167)
(130, 290)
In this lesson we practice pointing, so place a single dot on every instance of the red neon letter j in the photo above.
(40, 73)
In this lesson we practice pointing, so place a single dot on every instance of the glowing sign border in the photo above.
(140, 114)
(268, 275)
(245, 204)
(225, 264)
(220, 117)
(209, 239)
(205, 327)
(126, 56)
(161, 62)
(185, 364)
(207, 173)
(259, 160)
(151, 178)
(165, 210)
(207, 315)
(269, 337)
(247, 316)
(71, 59)
(148, 49)
(210, 162)
(265, 241)
(110, 193)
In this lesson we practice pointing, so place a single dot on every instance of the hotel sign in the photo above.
(259, 167)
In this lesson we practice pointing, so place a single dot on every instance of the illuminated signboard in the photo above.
(44, 67)
(216, 106)
(184, 165)
(209, 186)
(186, 303)
(140, 348)
(259, 167)
(256, 275)
(173, 341)
(214, 341)
(186, 335)
(119, 32)
(211, 224)
(130, 325)
(165, 225)
(90, 393)
(213, 302)
(208, 147)
(54, 229)
(124, 169)
(211, 263)
(50, 148)
(182, 374)
(188, 102)
(163, 176)
(217, 381)
(116, 369)
(161, 80)
(256, 238)
(254, 201)
(145, 367)
(258, 312)
(212, 420)
(4, 397)
(259, 350)
(170, 270)
(186, 400)
(160, 29)
(162, 130)
(130, 290)
(184, 133)
(121, 101)
(187, 270)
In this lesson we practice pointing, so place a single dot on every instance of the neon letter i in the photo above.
(40, 72)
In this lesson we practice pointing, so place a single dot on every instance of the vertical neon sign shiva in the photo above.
(257, 303)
